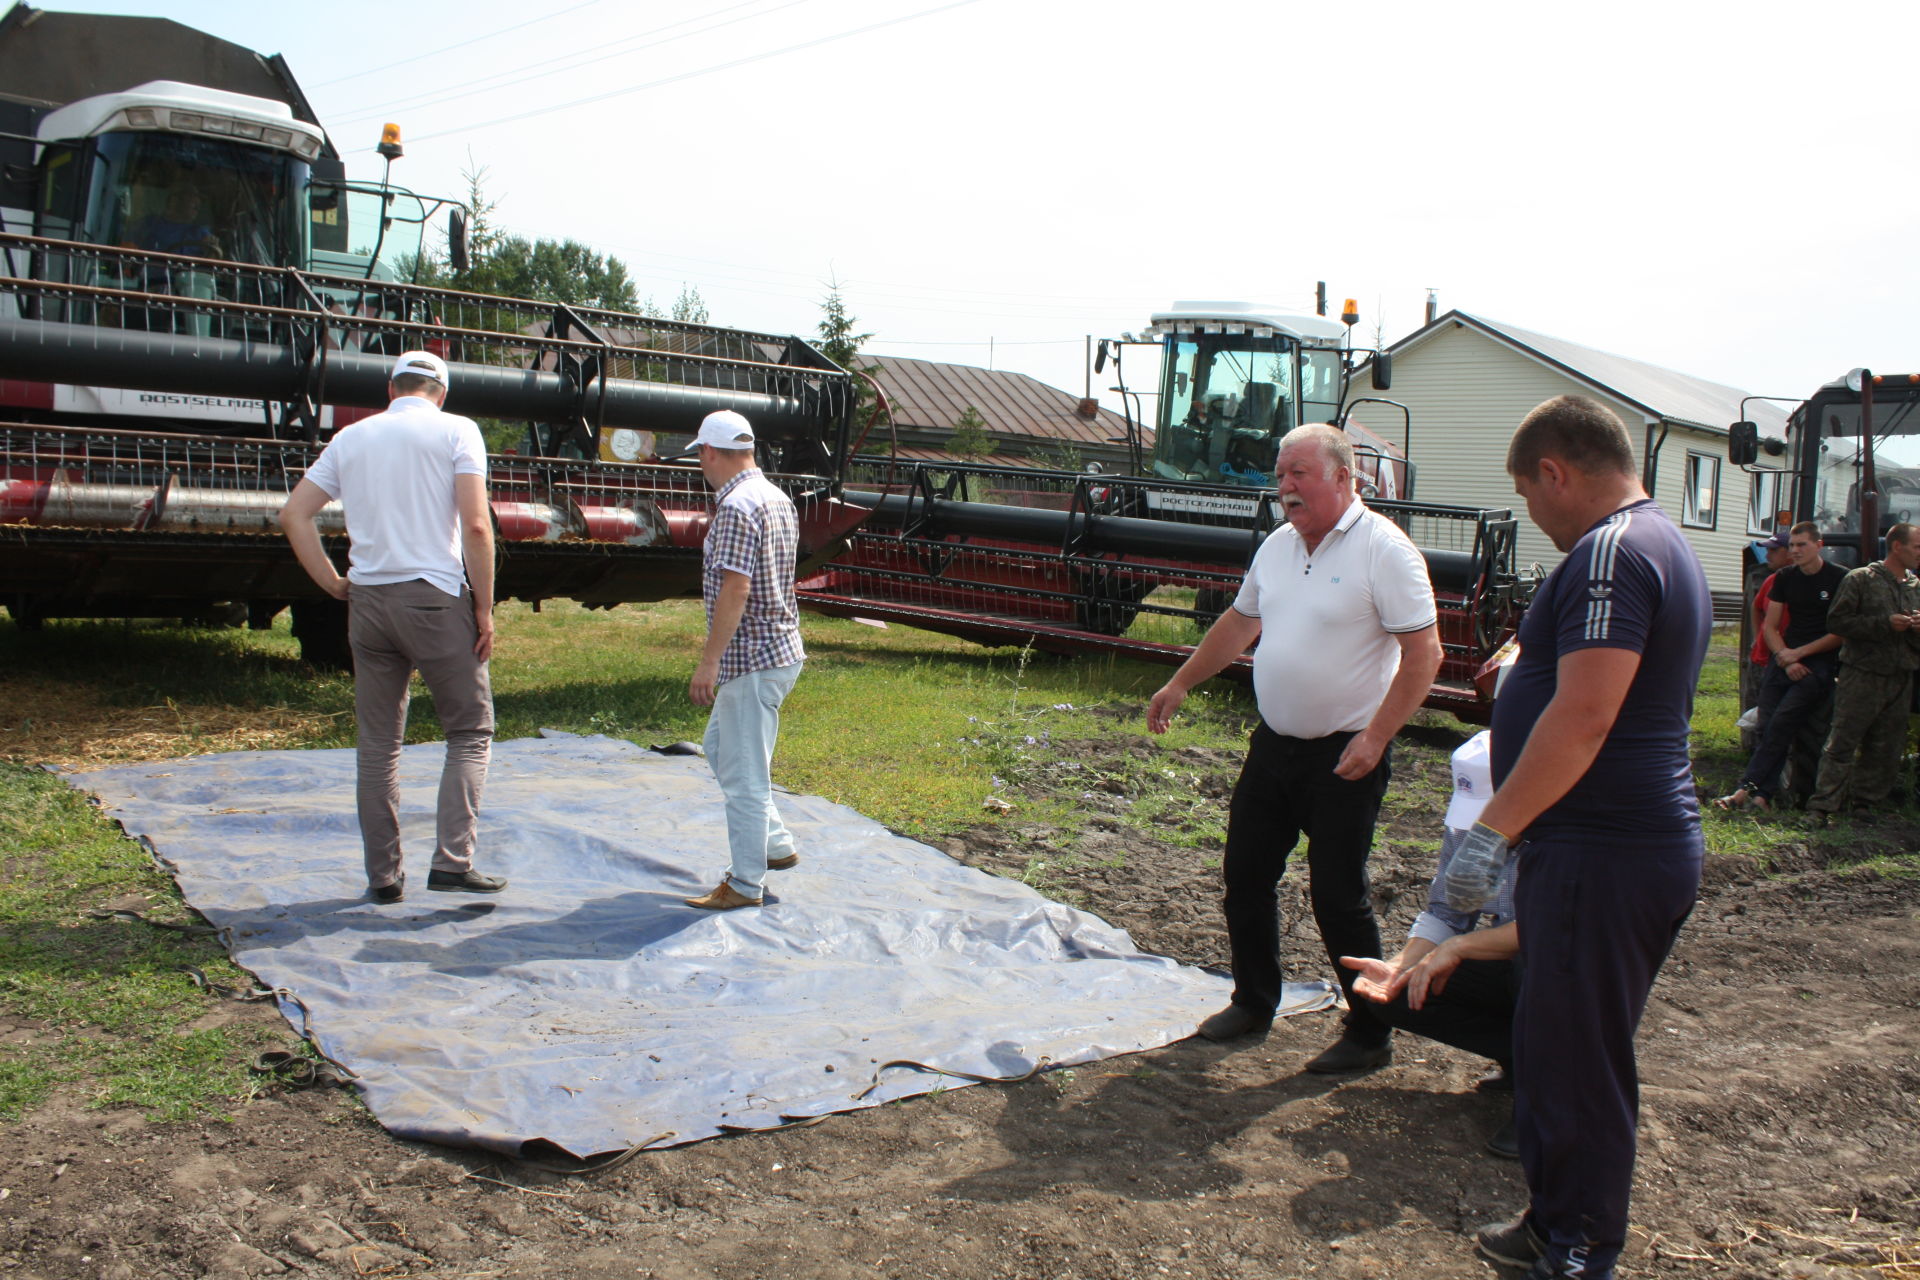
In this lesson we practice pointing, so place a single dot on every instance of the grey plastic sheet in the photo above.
(588, 1005)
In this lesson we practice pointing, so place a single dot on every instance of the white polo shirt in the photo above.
(1328, 621)
(394, 474)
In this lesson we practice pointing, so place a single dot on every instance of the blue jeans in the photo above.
(741, 731)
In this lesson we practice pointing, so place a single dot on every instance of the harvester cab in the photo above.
(187, 170)
(1235, 377)
(1849, 461)
(190, 185)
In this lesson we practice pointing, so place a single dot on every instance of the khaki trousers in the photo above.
(395, 630)
(1870, 727)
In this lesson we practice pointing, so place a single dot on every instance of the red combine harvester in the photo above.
(1070, 563)
(193, 298)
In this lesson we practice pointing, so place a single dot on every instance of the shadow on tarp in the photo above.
(588, 1007)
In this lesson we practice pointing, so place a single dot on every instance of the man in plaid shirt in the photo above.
(752, 655)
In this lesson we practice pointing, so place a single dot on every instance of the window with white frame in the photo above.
(1701, 506)
(1764, 500)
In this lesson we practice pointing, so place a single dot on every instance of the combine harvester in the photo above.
(1068, 562)
(194, 298)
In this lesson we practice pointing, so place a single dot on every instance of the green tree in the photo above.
(838, 341)
(841, 344)
(1059, 455)
(541, 270)
(552, 271)
(970, 439)
(689, 307)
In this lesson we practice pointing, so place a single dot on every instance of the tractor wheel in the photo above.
(321, 628)
(25, 615)
(1113, 609)
(1210, 603)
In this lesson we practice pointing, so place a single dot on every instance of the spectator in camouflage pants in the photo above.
(1876, 612)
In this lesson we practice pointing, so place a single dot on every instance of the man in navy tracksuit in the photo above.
(1594, 789)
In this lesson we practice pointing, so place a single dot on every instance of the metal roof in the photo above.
(931, 396)
(1662, 393)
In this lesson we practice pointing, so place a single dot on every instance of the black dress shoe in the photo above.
(1344, 1056)
(1515, 1243)
(1505, 1142)
(464, 882)
(389, 892)
(1233, 1022)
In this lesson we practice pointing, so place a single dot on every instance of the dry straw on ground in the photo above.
(62, 723)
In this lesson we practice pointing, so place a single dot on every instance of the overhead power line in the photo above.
(371, 71)
(704, 71)
(495, 81)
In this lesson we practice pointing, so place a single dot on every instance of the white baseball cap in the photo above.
(724, 429)
(423, 364)
(1472, 781)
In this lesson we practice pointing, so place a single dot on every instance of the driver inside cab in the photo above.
(178, 227)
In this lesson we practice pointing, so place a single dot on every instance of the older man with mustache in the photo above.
(1340, 600)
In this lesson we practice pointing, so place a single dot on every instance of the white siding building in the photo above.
(1468, 381)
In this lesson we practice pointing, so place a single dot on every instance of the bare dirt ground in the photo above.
(1781, 1059)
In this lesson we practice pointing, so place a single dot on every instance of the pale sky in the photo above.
(1726, 189)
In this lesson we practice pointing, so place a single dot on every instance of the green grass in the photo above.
(912, 729)
(108, 1002)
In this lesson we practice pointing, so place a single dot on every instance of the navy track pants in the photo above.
(1598, 916)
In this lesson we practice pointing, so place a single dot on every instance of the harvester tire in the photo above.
(1113, 610)
(1210, 603)
(25, 616)
(321, 628)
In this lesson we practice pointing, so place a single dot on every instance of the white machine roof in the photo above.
(93, 115)
(1244, 317)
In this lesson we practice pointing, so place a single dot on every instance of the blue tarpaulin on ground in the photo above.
(588, 1005)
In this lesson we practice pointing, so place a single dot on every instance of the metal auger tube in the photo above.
(48, 351)
(1121, 535)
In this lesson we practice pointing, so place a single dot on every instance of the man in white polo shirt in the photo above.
(1340, 601)
(413, 482)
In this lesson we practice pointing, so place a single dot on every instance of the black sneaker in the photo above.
(1344, 1057)
(389, 892)
(1514, 1243)
(464, 882)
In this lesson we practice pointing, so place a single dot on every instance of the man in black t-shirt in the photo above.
(1799, 684)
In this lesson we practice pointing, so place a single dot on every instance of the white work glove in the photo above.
(1474, 872)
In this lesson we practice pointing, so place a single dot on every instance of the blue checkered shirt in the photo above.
(756, 532)
(1439, 921)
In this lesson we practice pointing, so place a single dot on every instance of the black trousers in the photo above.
(1288, 789)
(1474, 1013)
(1597, 918)
(1786, 705)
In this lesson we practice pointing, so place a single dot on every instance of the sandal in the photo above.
(1737, 799)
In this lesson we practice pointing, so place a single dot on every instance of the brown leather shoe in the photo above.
(787, 863)
(725, 898)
